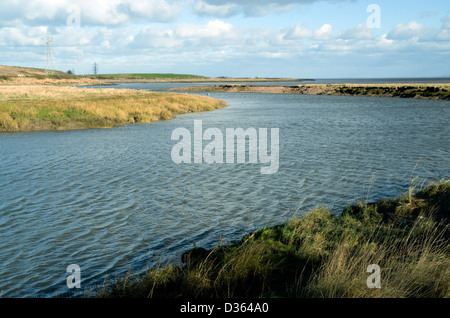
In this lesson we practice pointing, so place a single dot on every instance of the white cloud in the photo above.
(188, 37)
(324, 33)
(213, 29)
(301, 32)
(419, 32)
(99, 12)
(154, 10)
(17, 37)
(222, 10)
(256, 8)
(360, 32)
(122, 31)
(156, 37)
(444, 34)
(446, 22)
(412, 30)
(298, 32)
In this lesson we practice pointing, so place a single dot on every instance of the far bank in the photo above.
(439, 91)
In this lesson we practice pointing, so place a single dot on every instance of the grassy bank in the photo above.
(16, 74)
(426, 91)
(319, 255)
(148, 76)
(181, 78)
(30, 107)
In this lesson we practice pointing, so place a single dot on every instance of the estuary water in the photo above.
(112, 200)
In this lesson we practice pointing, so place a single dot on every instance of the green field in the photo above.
(11, 72)
(147, 76)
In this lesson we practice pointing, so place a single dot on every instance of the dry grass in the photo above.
(412, 265)
(48, 107)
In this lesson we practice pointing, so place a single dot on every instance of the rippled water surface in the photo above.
(111, 200)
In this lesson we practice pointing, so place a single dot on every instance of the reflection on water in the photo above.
(111, 200)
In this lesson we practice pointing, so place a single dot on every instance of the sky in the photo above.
(233, 38)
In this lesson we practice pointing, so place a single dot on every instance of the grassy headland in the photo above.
(29, 107)
(17, 72)
(426, 91)
(180, 78)
(16, 75)
(148, 76)
(12, 75)
(319, 255)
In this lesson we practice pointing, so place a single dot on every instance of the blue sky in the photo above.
(242, 38)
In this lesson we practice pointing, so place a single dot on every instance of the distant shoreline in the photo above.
(30, 104)
(203, 80)
(91, 81)
(439, 91)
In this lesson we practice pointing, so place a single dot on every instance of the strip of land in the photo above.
(319, 255)
(17, 74)
(181, 78)
(423, 91)
(36, 99)
(31, 107)
(196, 80)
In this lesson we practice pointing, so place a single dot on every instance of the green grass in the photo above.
(147, 76)
(318, 255)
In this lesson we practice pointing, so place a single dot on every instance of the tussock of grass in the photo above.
(42, 107)
(320, 255)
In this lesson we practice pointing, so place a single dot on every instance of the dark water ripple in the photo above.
(112, 200)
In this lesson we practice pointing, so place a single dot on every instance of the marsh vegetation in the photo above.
(49, 107)
(319, 255)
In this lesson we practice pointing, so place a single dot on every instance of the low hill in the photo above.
(17, 72)
(12, 72)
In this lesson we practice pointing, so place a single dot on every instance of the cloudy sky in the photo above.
(245, 38)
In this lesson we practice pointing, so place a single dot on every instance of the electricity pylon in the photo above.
(48, 42)
(95, 69)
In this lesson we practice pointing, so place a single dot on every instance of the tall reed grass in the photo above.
(41, 107)
(319, 255)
